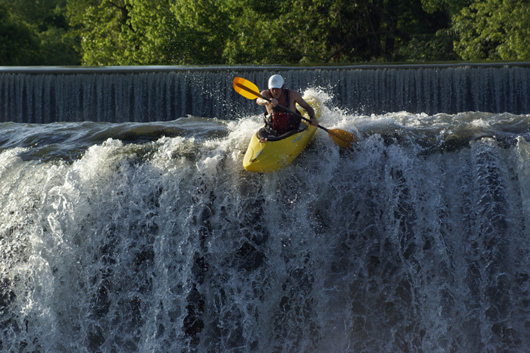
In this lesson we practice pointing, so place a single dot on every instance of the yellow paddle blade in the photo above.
(342, 138)
(246, 88)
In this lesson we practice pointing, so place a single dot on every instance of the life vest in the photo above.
(282, 121)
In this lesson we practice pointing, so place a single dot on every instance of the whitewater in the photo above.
(150, 236)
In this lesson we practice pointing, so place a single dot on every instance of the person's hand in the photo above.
(274, 102)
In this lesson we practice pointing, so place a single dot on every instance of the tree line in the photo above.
(305, 32)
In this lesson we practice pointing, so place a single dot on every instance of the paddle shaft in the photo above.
(346, 141)
(279, 105)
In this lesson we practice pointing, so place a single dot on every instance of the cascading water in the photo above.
(150, 237)
(144, 94)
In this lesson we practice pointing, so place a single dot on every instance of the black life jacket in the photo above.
(281, 121)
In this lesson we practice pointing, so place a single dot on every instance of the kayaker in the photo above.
(277, 120)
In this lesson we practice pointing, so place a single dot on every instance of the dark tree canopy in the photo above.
(183, 32)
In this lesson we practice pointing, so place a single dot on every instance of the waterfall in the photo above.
(150, 236)
(169, 246)
(146, 94)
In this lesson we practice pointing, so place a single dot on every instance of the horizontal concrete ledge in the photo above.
(236, 68)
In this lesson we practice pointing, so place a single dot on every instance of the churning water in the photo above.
(150, 237)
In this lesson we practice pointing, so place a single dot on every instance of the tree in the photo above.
(204, 28)
(450, 7)
(124, 32)
(258, 34)
(32, 33)
(169, 32)
(103, 29)
(494, 30)
(333, 31)
(137, 32)
(18, 45)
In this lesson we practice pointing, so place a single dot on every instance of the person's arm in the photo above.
(309, 109)
(267, 104)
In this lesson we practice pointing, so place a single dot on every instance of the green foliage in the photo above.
(32, 33)
(104, 30)
(494, 30)
(204, 27)
(133, 32)
(331, 31)
(17, 42)
(182, 32)
(451, 7)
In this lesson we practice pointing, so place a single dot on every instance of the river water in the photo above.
(150, 236)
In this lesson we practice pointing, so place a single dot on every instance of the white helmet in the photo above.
(275, 81)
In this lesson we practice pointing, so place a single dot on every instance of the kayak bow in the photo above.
(272, 155)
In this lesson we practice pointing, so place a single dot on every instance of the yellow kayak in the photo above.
(270, 156)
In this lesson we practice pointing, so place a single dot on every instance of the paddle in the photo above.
(249, 90)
